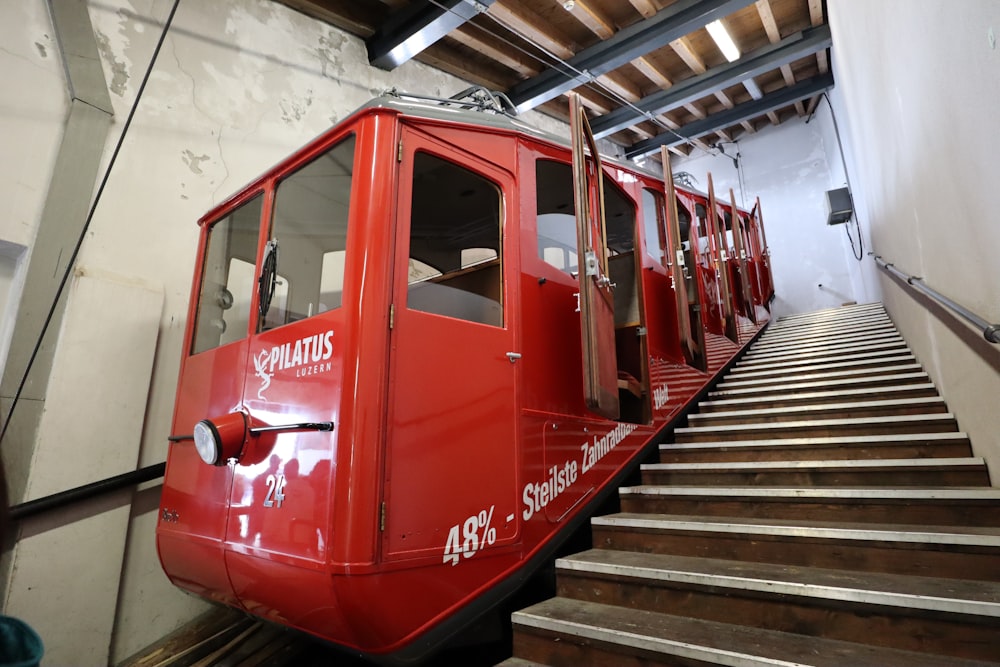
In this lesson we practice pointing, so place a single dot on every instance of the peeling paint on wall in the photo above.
(192, 161)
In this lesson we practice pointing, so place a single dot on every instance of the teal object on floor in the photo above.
(20, 645)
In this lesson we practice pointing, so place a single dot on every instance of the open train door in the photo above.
(718, 233)
(685, 289)
(765, 256)
(597, 303)
(739, 247)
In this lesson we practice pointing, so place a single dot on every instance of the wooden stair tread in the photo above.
(833, 351)
(933, 536)
(844, 364)
(793, 361)
(855, 394)
(896, 495)
(929, 402)
(819, 423)
(874, 464)
(844, 384)
(826, 441)
(952, 596)
(824, 332)
(765, 345)
(850, 373)
(645, 632)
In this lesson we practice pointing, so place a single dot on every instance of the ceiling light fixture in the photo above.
(723, 40)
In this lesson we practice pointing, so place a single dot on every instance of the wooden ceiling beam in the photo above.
(773, 117)
(479, 40)
(584, 12)
(816, 12)
(644, 7)
(682, 47)
(816, 18)
(527, 24)
(767, 19)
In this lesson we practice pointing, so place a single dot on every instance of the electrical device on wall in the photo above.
(839, 206)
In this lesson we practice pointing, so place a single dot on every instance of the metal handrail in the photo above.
(991, 332)
(85, 492)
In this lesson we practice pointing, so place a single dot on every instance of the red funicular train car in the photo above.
(417, 352)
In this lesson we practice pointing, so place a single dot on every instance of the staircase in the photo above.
(822, 508)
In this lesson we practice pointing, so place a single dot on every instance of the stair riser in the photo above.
(816, 453)
(902, 364)
(813, 412)
(885, 363)
(836, 313)
(786, 431)
(730, 418)
(867, 511)
(832, 333)
(888, 478)
(899, 628)
(549, 648)
(879, 335)
(959, 562)
(744, 403)
(827, 329)
(846, 354)
(879, 343)
(731, 390)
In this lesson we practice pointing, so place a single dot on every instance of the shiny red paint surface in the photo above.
(460, 450)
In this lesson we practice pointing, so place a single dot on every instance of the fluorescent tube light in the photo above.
(723, 40)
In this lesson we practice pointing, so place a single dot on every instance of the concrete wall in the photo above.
(921, 82)
(238, 85)
(790, 167)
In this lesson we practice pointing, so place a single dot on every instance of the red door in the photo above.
(451, 450)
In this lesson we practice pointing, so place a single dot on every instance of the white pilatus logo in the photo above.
(309, 355)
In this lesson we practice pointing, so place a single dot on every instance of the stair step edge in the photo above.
(839, 493)
(825, 441)
(712, 642)
(801, 530)
(876, 464)
(798, 582)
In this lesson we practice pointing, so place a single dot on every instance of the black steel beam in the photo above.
(416, 26)
(763, 60)
(738, 114)
(679, 19)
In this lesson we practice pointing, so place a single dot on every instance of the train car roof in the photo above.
(478, 112)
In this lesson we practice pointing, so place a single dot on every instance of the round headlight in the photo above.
(207, 442)
(220, 439)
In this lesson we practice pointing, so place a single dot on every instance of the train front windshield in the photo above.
(308, 231)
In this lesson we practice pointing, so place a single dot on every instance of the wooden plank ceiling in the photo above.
(648, 70)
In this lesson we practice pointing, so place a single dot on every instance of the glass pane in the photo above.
(228, 278)
(653, 225)
(310, 226)
(556, 214)
(455, 226)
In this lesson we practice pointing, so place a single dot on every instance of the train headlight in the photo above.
(218, 440)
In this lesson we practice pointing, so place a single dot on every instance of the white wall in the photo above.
(238, 85)
(921, 82)
(790, 167)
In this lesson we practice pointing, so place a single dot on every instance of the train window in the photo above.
(310, 226)
(556, 215)
(653, 224)
(619, 220)
(455, 231)
(227, 278)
